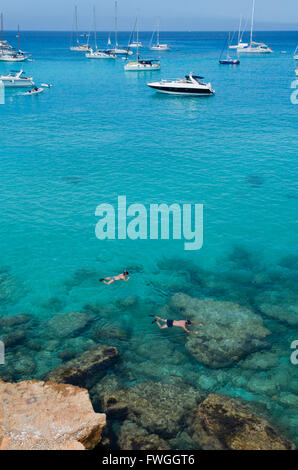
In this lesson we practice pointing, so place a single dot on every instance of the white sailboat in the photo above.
(158, 46)
(97, 54)
(296, 54)
(116, 49)
(11, 55)
(134, 44)
(239, 44)
(254, 47)
(141, 64)
(78, 47)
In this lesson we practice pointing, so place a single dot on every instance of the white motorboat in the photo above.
(158, 46)
(16, 80)
(296, 71)
(190, 85)
(254, 47)
(75, 32)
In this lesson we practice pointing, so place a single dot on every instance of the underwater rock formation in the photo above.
(90, 365)
(36, 415)
(67, 324)
(221, 422)
(159, 408)
(230, 331)
(12, 321)
(280, 305)
(133, 437)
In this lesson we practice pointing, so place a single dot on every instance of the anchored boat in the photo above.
(190, 85)
(16, 80)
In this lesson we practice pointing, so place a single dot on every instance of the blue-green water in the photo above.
(100, 132)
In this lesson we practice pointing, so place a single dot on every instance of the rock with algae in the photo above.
(67, 324)
(159, 408)
(222, 422)
(36, 415)
(133, 437)
(87, 367)
(230, 331)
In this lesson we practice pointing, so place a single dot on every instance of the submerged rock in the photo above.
(280, 305)
(36, 415)
(14, 338)
(133, 437)
(230, 331)
(12, 321)
(67, 324)
(158, 408)
(89, 365)
(221, 422)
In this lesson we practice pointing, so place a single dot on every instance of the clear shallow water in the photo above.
(99, 133)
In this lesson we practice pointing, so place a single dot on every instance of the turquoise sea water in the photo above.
(99, 132)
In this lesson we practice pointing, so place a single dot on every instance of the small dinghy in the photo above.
(46, 85)
(35, 91)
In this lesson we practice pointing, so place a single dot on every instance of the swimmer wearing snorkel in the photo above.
(179, 323)
(121, 277)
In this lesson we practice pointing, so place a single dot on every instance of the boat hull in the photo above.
(182, 91)
(160, 48)
(101, 56)
(141, 68)
(230, 62)
(17, 83)
(12, 59)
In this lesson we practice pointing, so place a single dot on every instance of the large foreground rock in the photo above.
(90, 365)
(221, 422)
(155, 407)
(230, 331)
(36, 415)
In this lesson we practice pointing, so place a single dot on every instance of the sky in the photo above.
(176, 15)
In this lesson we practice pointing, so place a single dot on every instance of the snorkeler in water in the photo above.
(179, 323)
(121, 277)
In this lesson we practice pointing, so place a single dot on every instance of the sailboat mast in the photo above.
(137, 39)
(252, 20)
(239, 32)
(158, 28)
(116, 24)
(76, 22)
(94, 19)
(18, 37)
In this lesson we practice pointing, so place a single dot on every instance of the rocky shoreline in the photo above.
(52, 415)
(135, 374)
